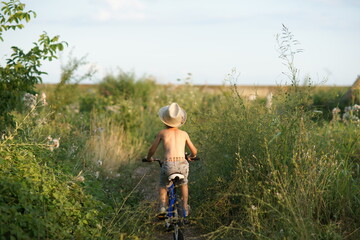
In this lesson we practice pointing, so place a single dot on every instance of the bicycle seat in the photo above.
(176, 175)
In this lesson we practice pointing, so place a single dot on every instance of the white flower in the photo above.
(29, 100)
(53, 143)
(336, 110)
(113, 108)
(97, 174)
(80, 178)
(56, 142)
(347, 109)
(253, 207)
(269, 100)
(43, 99)
(252, 97)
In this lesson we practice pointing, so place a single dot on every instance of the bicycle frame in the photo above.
(173, 222)
(173, 201)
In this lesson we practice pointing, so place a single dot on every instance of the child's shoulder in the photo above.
(166, 130)
(184, 133)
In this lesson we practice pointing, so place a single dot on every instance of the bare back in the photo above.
(174, 141)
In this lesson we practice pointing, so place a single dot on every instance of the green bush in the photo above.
(22, 71)
(38, 202)
(326, 99)
(126, 86)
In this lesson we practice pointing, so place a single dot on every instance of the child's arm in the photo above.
(153, 148)
(191, 146)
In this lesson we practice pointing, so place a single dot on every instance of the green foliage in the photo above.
(67, 92)
(273, 175)
(22, 70)
(264, 173)
(12, 15)
(326, 99)
(39, 202)
(126, 86)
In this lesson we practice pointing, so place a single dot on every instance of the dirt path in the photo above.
(149, 189)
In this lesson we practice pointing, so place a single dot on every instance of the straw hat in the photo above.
(172, 115)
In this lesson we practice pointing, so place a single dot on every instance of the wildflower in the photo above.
(3, 135)
(43, 99)
(350, 117)
(269, 100)
(336, 110)
(348, 109)
(253, 207)
(99, 163)
(252, 97)
(335, 114)
(56, 142)
(80, 178)
(53, 143)
(97, 174)
(113, 108)
(351, 114)
(30, 101)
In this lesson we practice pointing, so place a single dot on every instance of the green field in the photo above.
(280, 172)
(277, 162)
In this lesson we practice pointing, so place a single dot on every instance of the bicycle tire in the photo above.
(178, 233)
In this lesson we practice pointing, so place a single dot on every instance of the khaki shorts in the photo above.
(170, 167)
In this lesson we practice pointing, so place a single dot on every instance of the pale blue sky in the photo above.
(168, 39)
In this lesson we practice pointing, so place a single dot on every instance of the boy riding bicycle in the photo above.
(174, 141)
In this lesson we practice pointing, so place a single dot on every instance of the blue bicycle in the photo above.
(175, 217)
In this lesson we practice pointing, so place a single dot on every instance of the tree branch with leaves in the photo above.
(22, 70)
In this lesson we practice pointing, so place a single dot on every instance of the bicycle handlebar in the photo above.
(160, 162)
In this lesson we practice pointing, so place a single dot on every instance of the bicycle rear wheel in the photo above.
(178, 233)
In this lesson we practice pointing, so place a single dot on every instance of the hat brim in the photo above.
(162, 112)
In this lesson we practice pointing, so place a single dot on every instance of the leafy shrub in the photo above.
(126, 86)
(326, 99)
(22, 69)
(39, 202)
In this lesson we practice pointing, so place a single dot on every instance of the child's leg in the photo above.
(163, 196)
(185, 197)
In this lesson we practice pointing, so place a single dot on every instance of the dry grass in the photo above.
(110, 147)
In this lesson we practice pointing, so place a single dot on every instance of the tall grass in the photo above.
(110, 146)
(270, 175)
(265, 173)
(276, 174)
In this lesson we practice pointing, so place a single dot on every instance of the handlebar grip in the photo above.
(195, 158)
